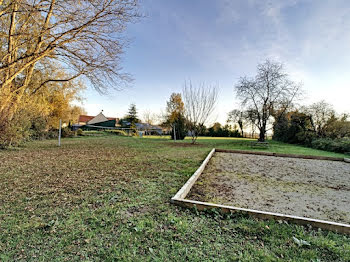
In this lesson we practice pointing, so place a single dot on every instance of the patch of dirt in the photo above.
(310, 188)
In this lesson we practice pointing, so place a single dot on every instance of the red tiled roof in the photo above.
(111, 118)
(85, 118)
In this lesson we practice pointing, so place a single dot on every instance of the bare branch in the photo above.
(199, 105)
(269, 91)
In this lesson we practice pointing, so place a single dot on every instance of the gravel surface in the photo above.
(317, 189)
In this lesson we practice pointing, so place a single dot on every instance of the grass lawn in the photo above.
(107, 198)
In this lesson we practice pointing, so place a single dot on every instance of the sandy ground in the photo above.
(303, 187)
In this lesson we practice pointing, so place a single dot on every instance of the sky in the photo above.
(216, 42)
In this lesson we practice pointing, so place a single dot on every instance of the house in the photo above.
(149, 129)
(98, 122)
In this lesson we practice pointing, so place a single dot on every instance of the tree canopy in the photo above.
(175, 116)
(132, 117)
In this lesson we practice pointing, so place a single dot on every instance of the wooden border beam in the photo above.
(334, 226)
(182, 193)
(283, 155)
(179, 198)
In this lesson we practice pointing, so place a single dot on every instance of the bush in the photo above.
(117, 132)
(66, 132)
(14, 131)
(80, 132)
(38, 129)
(334, 145)
(94, 133)
(52, 134)
(222, 131)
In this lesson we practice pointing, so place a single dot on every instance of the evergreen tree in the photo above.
(132, 115)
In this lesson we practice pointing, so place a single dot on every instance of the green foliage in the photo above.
(94, 133)
(66, 132)
(38, 128)
(339, 145)
(80, 132)
(180, 127)
(281, 128)
(293, 127)
(298, 128)
(222, 131)
(132, 116)
(117, 132)
(52, 134)
(337, 127)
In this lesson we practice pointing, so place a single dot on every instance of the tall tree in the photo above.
(82, 38)
(132, 115)
(199, 105)
(175, 106)
(48, 42)
(175, 116)
(270, 90)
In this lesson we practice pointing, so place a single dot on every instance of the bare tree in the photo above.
(149, 117)
(237, 116)
(81, 38)
(321, 114)
(270, 90)
(199, 105)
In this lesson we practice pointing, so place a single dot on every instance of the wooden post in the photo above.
(59, 133)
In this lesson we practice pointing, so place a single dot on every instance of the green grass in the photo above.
(107, 198)
(244, 144)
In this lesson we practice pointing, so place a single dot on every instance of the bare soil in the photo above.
(318, 189)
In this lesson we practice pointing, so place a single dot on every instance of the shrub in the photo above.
(94, 133)
(80, 132)
(117, 132)
(334, 145)
(52, 134)
(14, 131)
(217, 130)
(66, 132)
(38, 129)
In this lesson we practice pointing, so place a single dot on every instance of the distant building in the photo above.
(149, 129)
(95, 122)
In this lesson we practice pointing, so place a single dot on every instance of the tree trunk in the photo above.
(262, 135)
(194, 137)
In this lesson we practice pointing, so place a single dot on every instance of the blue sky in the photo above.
(218, 41)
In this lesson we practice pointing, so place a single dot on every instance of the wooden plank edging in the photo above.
(182, 193)
(328, 225)
(179, 198)
(282, 155)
